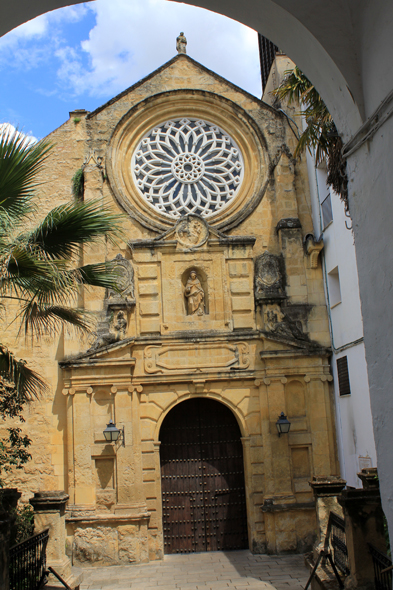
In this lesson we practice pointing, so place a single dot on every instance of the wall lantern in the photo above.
(112, 433)
(283, 424)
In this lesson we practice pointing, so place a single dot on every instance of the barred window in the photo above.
(343, 376)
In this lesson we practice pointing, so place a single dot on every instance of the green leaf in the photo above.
(20, 162)
(69, 226)
(27, 382)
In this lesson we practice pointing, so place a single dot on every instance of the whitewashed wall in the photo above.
(355, 436)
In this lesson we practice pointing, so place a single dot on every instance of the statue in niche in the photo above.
(194, 294)
(120, 325)
(181, 44)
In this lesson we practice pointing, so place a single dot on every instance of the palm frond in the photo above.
(320, 135)
(101, 274)
(40, 320)
(28, 383)
(69, 226)
(20, 161)
(23, 275)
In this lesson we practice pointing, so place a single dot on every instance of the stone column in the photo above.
(49, 512)
(326, 491)
(363, 524)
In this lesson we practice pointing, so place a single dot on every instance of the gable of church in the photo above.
(220, 297)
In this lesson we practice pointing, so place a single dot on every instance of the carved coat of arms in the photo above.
(269, 277)
(192, 231)
(125, 281)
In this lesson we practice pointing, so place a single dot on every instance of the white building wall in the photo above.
(356, 445)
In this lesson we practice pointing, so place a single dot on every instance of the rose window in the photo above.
(187, 166)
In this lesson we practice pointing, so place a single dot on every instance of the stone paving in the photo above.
(237, 570)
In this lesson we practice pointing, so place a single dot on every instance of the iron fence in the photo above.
(28, 563)
(338, 542)
(382, 578)
(334, 550)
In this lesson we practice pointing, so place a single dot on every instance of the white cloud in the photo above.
(40, 26)
(132, 37)
(31, 44)
(8, 130)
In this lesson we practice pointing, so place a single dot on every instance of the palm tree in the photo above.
(38, 266)
(320, 134)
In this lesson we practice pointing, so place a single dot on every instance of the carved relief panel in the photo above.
(269, 278)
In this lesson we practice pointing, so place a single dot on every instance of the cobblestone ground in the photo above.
(237, 570)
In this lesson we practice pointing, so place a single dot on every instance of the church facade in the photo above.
(220, 325)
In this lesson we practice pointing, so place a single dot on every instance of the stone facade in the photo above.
(255, 338)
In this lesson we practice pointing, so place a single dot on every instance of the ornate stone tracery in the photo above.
(187, 166)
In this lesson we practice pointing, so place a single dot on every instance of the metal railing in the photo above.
(382, 569)
(28, 563)
(338, 543)
(334, 550)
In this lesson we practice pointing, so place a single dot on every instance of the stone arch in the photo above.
(203, 483)
(299, 32)
(214, 396)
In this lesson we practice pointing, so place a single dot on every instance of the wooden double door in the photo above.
(202, 477)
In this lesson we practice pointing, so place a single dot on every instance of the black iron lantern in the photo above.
(283, 424)
(112, 433)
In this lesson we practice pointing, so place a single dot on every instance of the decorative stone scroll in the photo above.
(269, 278)
(110, 331)
(280, 324)
(313, 249)
(195, 357)
(126, 297)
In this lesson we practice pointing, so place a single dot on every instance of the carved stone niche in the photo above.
(126, 297)
(195, 292)
(269, 282)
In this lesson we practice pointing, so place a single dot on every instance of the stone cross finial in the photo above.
(181, 44)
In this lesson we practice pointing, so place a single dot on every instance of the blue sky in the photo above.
(81, 56)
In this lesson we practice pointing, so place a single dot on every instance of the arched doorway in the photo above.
(202, 479)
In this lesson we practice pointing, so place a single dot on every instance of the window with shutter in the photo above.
(327, 214)
(343, 376)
